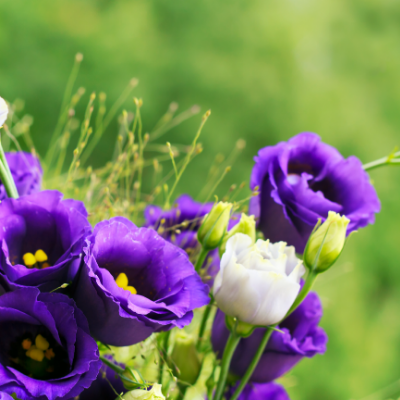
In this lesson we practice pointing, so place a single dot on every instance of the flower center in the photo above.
(38, 356)
(37, 260)
(122, 281)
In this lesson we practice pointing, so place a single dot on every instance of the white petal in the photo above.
(3, 112)
(236, 296)
(279, 295)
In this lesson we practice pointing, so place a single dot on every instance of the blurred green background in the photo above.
(268, 70)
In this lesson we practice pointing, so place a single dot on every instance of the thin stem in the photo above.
(113, 366)
(254, 362)
(200, 259)
(304, 291)
(163, 354)
(230, 348)
(6, 176)
(388, 160)
(203, 325)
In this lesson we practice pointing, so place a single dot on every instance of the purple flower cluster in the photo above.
(127, 282)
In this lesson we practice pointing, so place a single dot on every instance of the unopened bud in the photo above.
(246, 225)
(184, 358)
(214, 226)
(326, 243)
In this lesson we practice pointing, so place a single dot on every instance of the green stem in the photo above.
(254, 362)
(230, 348)
(263, 344)
(6, 176)
(200, 259)
(113, 366)
(389, 160)
(304, 291)
(203, 325)
(164, 353)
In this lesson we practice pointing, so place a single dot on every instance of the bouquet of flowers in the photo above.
(111, 289)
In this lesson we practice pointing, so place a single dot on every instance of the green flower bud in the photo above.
(246, 225)
(326, 243)
(133, 379)
(214, 226)
(184, 358)
(154, 394)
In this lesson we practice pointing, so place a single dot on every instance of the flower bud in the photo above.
(3, 111)
(214, 226)
(185, 359)
(326, 243)
(246, 225)
(140, 394)
(133, 379)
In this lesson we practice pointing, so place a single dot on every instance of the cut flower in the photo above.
(134, 283)
(257, 283)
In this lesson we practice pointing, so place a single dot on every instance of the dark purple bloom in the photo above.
(302, 180)
(180, 225)
(260, 391)
(301, 337)
(105, 385)
(121, 260)
(26, 171)
(41, 221)
(46, 351)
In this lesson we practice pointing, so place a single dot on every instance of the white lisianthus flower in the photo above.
(257, 283)
(139, 394)
(3, 111)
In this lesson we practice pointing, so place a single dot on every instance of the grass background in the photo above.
(268, 69)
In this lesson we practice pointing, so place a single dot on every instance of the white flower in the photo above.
(257, 283)
(154, 394)
(3, 111)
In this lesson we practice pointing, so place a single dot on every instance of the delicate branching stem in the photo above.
(230, 348)
(203, 325)
(64, 106)
(200, 259)
(188, 158)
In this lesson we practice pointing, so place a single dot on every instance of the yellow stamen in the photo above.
(29, 259)
(41, 256)
(131, 289)
(41, 343)
(122, 281)
(26, 344)
(35, 354)
(49, 354)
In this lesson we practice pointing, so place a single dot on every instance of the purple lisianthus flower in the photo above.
(302, 180)
(106, 385)
(179, 226)
(26, 172)
(134, 283)
(300, 337)
(46, 351)
(5, 396)
(260, 391)
(42, 237)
